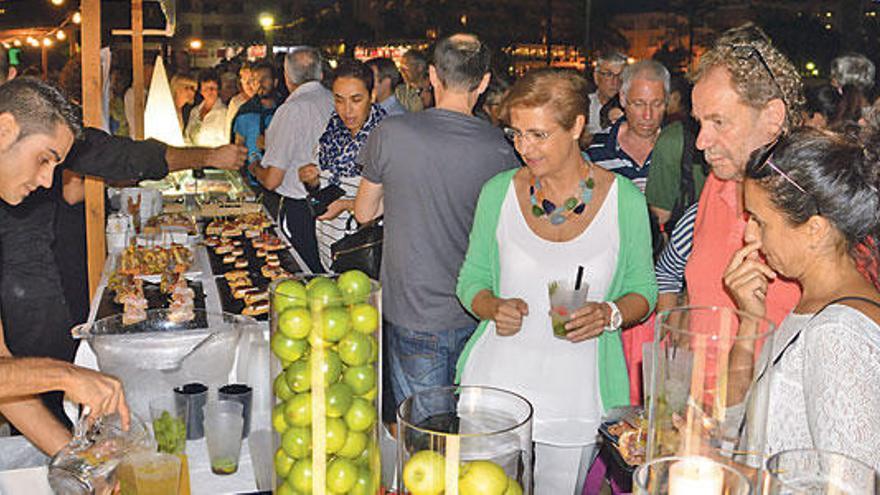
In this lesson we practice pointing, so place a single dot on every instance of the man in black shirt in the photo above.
(32, 143)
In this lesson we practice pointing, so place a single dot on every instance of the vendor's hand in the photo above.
(747, 278)
(336, 208)
(310, 175)
(102, 394)
(227, 157)
(588, 321)
(508, 316)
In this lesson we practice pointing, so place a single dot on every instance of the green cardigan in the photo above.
(634, 273)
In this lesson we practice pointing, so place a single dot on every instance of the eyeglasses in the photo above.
(746, 51)
(764, 166)
(530, 137)
(609, 75)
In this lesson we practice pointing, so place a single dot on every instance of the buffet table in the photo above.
(259, 443)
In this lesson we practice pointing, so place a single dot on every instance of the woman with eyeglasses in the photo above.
(183, 90)
(814, 217)
(539, 224)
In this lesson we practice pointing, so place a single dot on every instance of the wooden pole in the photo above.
(44, 60)
(91, 87)
(137, 65)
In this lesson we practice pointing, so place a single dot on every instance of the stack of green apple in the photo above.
(336, 315)
(425, 474)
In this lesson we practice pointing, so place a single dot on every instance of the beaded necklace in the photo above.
(575, 205)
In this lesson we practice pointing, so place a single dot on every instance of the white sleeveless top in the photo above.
(559, 378)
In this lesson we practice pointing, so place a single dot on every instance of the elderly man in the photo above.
(291, 141)
(627, 145)
(746, 94)
(607, 76)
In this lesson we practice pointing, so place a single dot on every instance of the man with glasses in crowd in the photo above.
(746, 95)
(607, 76)
(626, 147)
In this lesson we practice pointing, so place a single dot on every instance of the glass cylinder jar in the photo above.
(325, 372)
(465, 441)
(808, 471)
(689, 476)
(709, 385)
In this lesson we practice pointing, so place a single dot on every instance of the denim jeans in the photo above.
(420, 360)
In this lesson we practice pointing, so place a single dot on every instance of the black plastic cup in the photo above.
(243, 394)
(193, 397)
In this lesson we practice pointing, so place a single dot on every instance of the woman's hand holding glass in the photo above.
(588, 321)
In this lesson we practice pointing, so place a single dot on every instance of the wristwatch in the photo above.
(616, 320)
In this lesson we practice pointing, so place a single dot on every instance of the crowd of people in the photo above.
(744, 190)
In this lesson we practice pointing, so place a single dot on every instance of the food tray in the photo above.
(155, 300)
(617, 466)
(236, 306)
(255, 263)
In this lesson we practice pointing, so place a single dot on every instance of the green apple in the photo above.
(288, 349)
(320, 279)
(513, 487)
(342, 475)
(355, 286)
(361, 379)
(355, 349)
(300, 477)
(331, 365)
(297, 442)
(424, 473)
(284, 488)
(364, 484)
(288, 294)
(336, 433)
(364, 458)
(361, 415)
(364, 318)
(298, 377)
(323, 293)
(335, 324)
(374, 349)
(339, 399)
(355, 443)
(278, 420)
(371, 394)
(283, 463)
(295, 322)
(298, 410)
(481, 478)
(282, 390)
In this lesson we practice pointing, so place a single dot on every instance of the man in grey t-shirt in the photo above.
(424, 170)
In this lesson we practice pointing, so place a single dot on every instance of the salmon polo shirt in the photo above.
(718, 234)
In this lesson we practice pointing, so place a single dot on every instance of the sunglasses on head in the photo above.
(763, 167)
(744, 51)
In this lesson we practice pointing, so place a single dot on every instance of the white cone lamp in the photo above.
(160, 116)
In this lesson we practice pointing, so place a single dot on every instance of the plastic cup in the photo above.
(223, 427)
(192, 397)
(168, 419)
(151, 473)
(239, 393)
(565, 300)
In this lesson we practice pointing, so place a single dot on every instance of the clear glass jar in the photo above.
(689, 476)
(465, 440)
(709, 385)
(325, 372)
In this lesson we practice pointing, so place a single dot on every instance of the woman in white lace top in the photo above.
(814, 216)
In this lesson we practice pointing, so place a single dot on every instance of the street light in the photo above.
(195, 44)
(47, 41)
(77, 18)
(57, 3)
(266, 20)
(810, 66)
(60, 35)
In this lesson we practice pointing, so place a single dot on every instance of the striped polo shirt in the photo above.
(606, 152)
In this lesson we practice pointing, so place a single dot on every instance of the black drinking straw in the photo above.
(580, 276)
